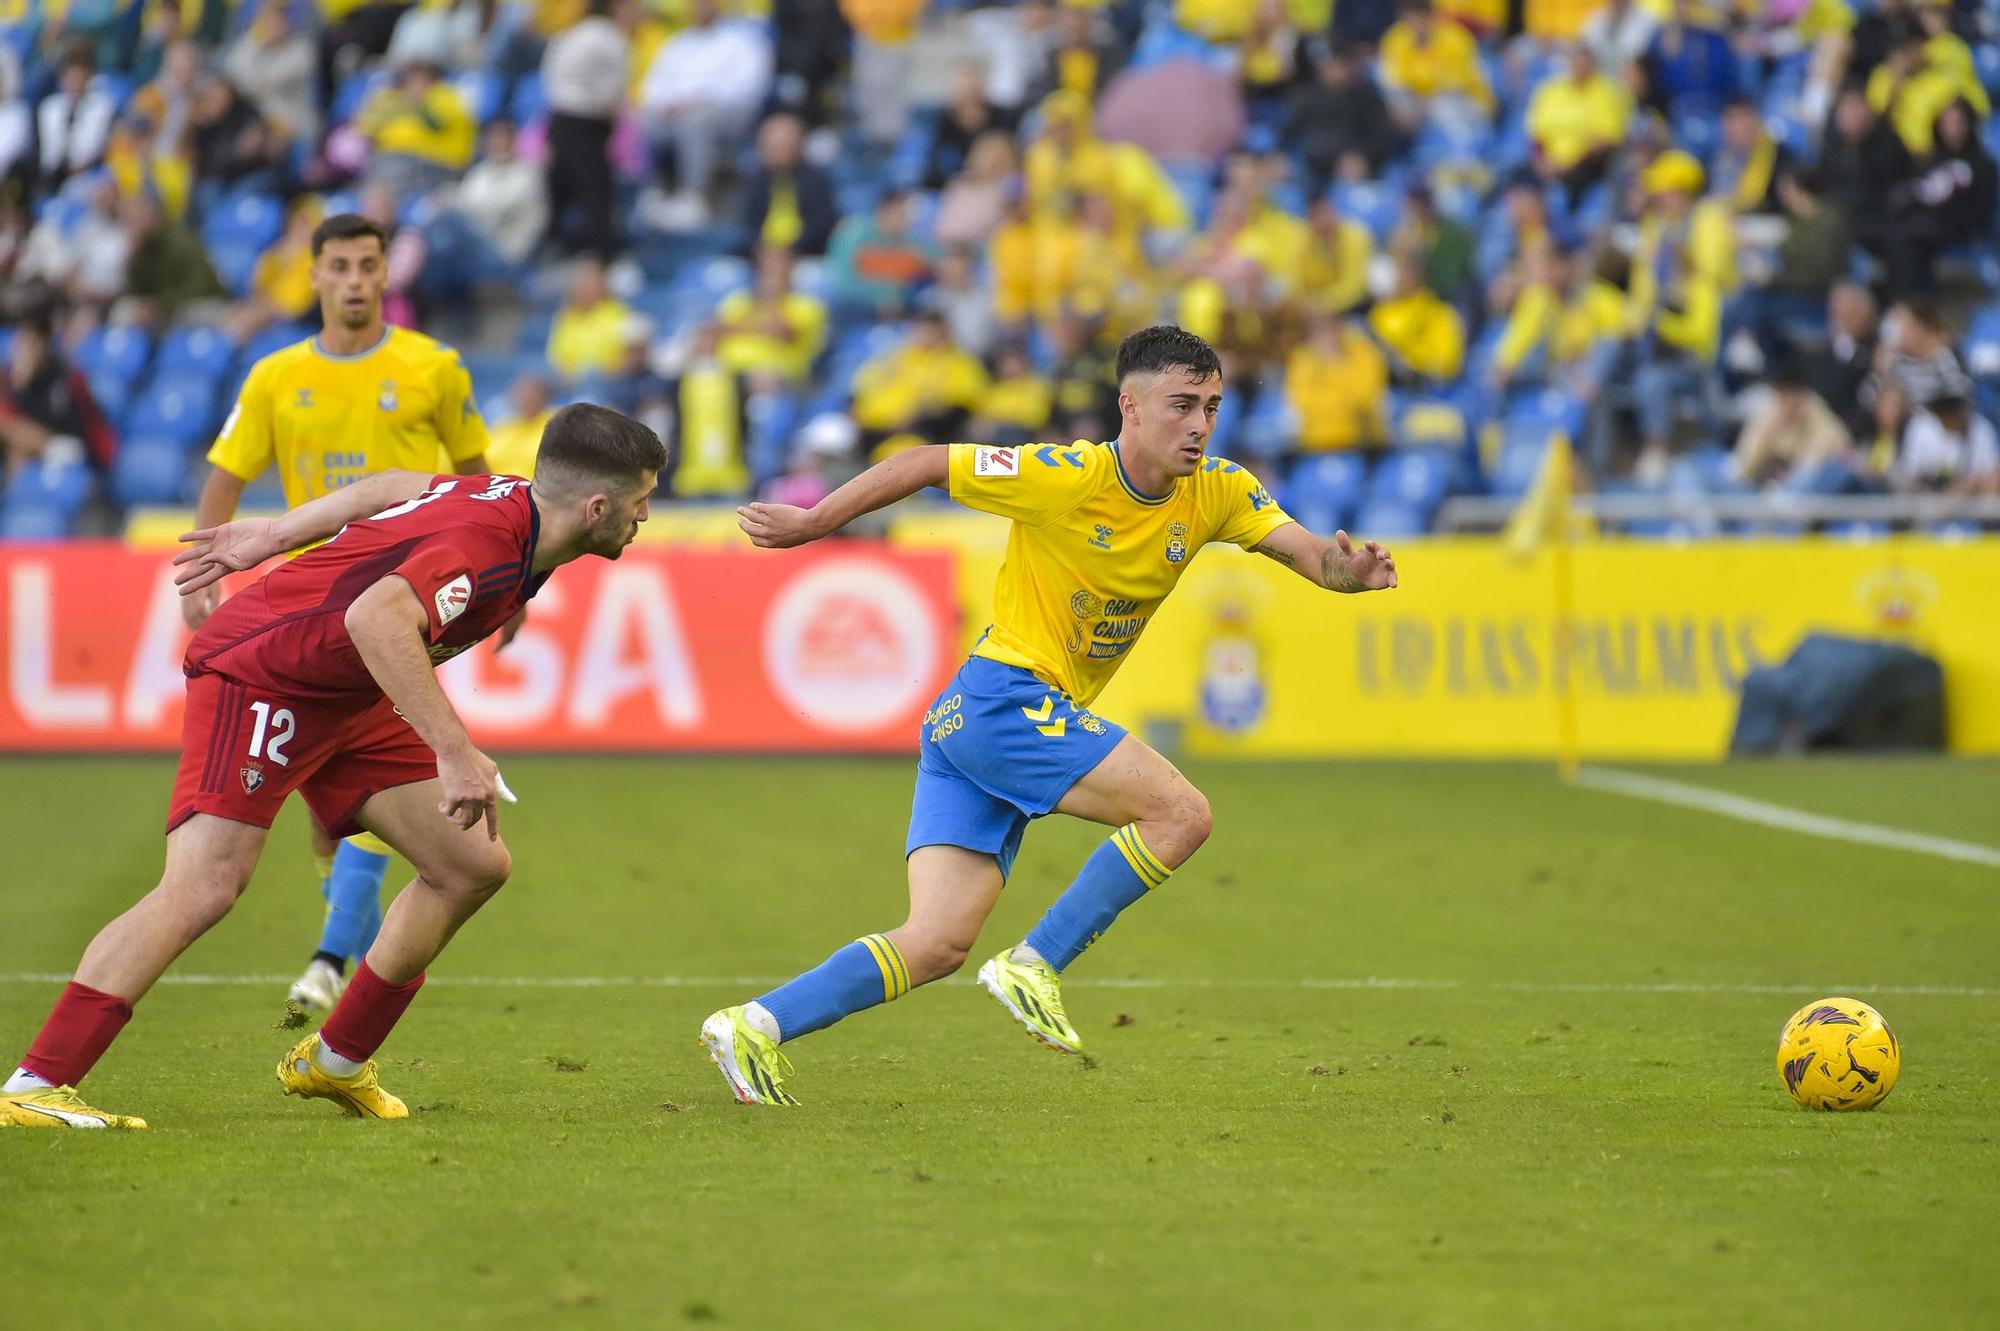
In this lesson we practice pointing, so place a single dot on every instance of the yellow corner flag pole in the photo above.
(1563, 462)
(1545, 518)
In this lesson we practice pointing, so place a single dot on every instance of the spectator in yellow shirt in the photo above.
(771, 333)
(1333, 270)
(1921, 77)
(1069, 159)
(589, 332)
(1430, 67)
(1676, 307)
(419, 130)
(1016, 406)
(1034, 258)
(1577, 119)
(1337, 383)
(1423, 336)
(1556, 21)
(926, 387)
(281, 285)
(511, 447)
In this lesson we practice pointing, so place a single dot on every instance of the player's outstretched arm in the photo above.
(780, 526)
(387, 624)
(1337, 565)
(233, 547)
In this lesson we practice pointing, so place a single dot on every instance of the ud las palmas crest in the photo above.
(388, 399)
(1176, 542)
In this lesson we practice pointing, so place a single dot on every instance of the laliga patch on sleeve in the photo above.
(996, 462)
(452, 598)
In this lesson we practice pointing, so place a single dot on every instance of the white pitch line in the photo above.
(1745, 809)
(196, 980)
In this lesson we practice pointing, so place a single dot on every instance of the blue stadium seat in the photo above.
(1271, 423)
(113, 361)
(484, 92)
(1547, 412)
(149, 470)
(172, 410)
(1519, 462)
(529, 102)
(1417, 477)
(1369, 202)
(1982, 357)
(1387, 519)
(239, 231)
(200, 355)
(1324, 489)
(43, 499)
(356, 89)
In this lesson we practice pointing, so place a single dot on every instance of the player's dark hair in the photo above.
(586, 445)
(349, 226)
(1166, 347)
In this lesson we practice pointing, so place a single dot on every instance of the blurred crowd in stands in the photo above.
(1716, 249)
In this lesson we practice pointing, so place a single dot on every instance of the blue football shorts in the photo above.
(999, 747)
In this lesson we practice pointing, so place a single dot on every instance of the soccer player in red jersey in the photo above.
(319, 679)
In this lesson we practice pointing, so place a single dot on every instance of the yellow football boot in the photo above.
(1031, 991)
(358, 1096)
(751, 1061)
(57, 1107)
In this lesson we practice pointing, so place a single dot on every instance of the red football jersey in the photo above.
(466, 546)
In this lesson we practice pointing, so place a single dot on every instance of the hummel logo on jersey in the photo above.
(305, 399)
(995, 462)
(1101, 537)
(452, 598)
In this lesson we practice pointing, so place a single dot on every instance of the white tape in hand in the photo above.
(505, 793)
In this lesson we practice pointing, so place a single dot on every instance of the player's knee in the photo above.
(1191, 821)
(207, 894)
(473, 879)
(931, 956)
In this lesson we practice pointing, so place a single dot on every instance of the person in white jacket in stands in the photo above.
(700, 96)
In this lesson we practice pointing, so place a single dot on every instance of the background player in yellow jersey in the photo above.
(1101, 534)
(358, 398)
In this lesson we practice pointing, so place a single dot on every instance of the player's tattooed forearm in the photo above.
(1333, 572)
(1278, 555)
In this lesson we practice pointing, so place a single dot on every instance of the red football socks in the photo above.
(365, 1014)
(82, 1026)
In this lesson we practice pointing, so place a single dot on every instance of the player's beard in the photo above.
(611, 535)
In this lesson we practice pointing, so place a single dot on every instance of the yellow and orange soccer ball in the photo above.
(1838, 1054)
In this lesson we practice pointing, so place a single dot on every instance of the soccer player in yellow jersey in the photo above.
(1101, 533)
(359, 398)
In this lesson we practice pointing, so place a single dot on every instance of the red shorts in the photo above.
(243, 751)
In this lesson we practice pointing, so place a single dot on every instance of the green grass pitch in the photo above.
(1554, 1106)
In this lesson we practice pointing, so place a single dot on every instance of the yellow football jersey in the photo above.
(328, 421)
(1090, 557)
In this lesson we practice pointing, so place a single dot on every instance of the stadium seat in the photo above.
(239, 231)
(43, 499)
(1519, 462)
(529, 102)
(113, 361)
(1369, 202)
(149, 470)
(1386, 519)
(1982, 357)
(197, 355)
(356, 89)
(1324, 489)
(1418, 477)
(1547, 412)
(174, 410)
